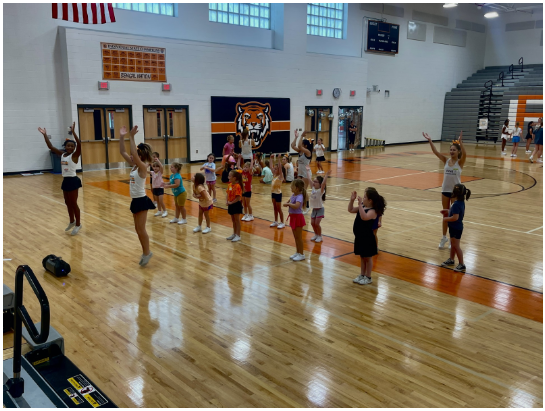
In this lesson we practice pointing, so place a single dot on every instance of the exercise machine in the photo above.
(44, 377)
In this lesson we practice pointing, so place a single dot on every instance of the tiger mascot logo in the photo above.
(256, 117)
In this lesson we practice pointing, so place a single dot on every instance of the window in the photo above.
(325, 19)
(241, 14)
(166, 9)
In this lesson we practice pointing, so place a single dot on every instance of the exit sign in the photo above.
(352, 93)
(167, 87)
(103, 85)
(319, 92)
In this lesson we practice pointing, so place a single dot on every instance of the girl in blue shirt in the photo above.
(180, 195)
(454, 217)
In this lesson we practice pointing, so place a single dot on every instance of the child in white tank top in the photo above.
(317, 196)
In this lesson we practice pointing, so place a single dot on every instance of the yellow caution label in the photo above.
(73, 396)
(75, 383)
(91, 400)
(41, 361)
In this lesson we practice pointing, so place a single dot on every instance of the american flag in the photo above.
(86, 13)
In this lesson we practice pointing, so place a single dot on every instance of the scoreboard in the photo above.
(382, 37)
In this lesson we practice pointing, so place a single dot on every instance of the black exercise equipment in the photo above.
(56, 266)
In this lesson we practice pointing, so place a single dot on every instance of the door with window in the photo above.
(98, 130)
(166, 130)
(318, 124)
(346, 115)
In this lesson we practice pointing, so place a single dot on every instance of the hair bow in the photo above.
(455, 142)
(238, 170)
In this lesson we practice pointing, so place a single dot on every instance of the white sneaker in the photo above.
(314, 237)
(528, 151)
(358, 279)
(319, 239)
(275, 224)
(245, 218)
(215, 200)
(365, 280)
(293, 256)
(299, 257)
(157, 214)
(165, 214)
(442, 243)
(206, 230)
(281, 225)
(76, 230)
(539, 160)
(306, 211)
(231, 237)
(70, 226)
(182, 221)
(155, 203)
(145, 258)
(174, 220)
(531, 159)
(503, 153)
(250, 218)
(197, 229)
(236, 238)
(514, 155)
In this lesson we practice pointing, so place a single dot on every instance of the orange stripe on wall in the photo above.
(231, 127)
(521, 108)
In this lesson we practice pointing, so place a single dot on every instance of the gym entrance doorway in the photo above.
(166, 130)
(347, 116)
(318, 124)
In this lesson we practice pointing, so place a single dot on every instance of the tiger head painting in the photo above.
(256, 117)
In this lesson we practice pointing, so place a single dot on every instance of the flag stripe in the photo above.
(75, 12)
(111, 12)
(94, 11)
(84, 13)
(65, 11)
(102, 14)
(55, 10)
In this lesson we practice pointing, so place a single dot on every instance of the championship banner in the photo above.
(267, 120)
(133, 63)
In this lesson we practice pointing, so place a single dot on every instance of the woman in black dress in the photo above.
(365, 244)
(529, 136)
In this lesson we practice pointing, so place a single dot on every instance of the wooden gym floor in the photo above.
(210, 323)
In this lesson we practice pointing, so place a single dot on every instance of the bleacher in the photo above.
(468, 102)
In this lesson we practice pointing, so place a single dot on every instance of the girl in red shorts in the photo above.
(205, 202)
(297, 220)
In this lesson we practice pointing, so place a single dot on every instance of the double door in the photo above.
(318, 125)
(346, 115)
(98, 130)
(166, 130)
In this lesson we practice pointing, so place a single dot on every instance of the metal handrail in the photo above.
(511, 70)
(521, 64)
(16, 384)
(500, 77)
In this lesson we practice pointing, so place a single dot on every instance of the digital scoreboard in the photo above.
(382, 37)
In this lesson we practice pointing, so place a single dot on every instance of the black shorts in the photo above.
(158, 191)
(235, 208)
(247, 194)
(447, 194)
(321, 158)
(277, 197)
(528, 137)
(141, 204)
(351, 139)
(70, 183)
(454, 233)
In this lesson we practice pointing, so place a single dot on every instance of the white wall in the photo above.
(417, 77)
(40, 92)
(504, 48)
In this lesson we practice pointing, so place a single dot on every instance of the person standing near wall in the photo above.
(538, 151)
(352, 130)
(529, 136)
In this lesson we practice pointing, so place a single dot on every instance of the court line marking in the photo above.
(465, 221)
(339, 317)
(528, 232)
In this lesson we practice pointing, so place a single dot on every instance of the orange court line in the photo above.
(504, 297)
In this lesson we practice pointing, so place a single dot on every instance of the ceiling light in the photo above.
(491, 15)
(449, 5)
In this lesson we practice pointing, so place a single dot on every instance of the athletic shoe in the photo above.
(215, 200)
(314, 237)
(531, 159)
(157, 214)
(306, 211)
(182, 221)
(539, 160)
(281, 225)
(197, 229)
(155, 203)
(206, 230)
(503, 153)
(245, 218)
(299, 257)
(70, 226)
(365, 280)
(165, 214)
(76, 230)
(145, 259)
(318, 239)
(358, 279)
(250, 218)
(275, 224)
(514, 155)
(444, 240)
(460, 268)
(174, 220)
(231, 237)
(448, 263)
(528, 151)
(236, 238)
(293, 256)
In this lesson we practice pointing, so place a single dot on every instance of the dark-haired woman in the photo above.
(529, 136)
(71, 182)
(452, 175)
(505, 135)
(139, 159)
